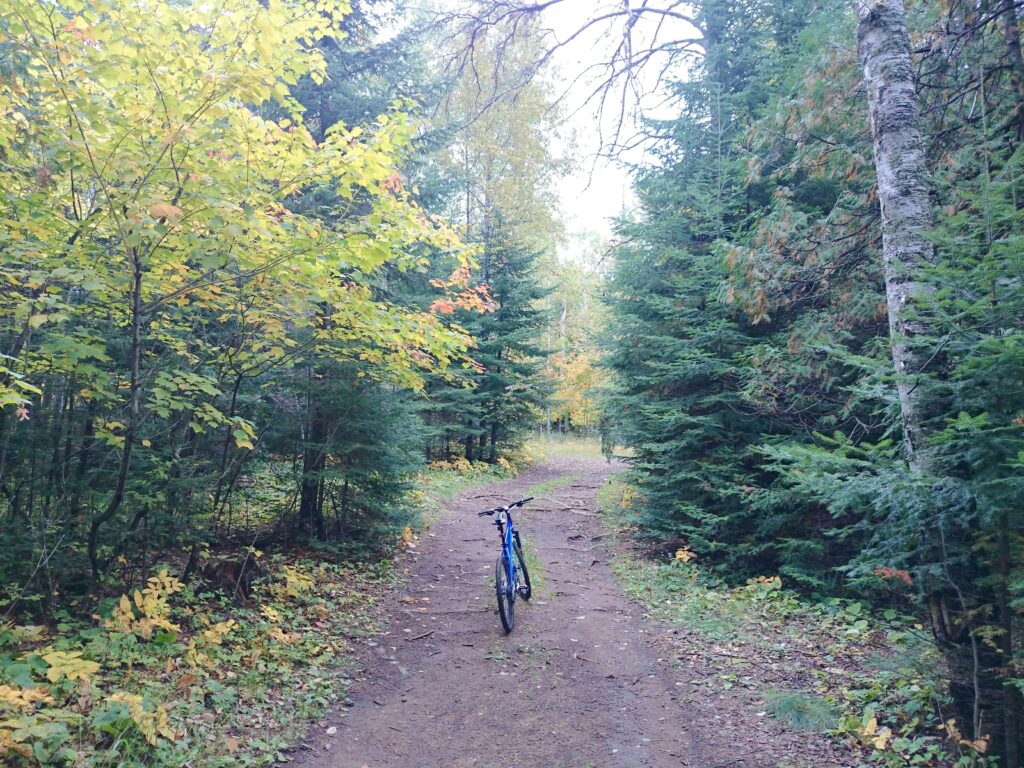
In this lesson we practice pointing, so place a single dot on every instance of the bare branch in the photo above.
(616, 84)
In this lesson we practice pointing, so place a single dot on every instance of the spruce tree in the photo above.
(483, 411)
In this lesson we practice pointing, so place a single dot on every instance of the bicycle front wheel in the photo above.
(506, 601)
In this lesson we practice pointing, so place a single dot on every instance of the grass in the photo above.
(534, 566)
(800, 711)
(615, 499)
(542, 446)
(442, 482)
(679, 594)
(539, 489)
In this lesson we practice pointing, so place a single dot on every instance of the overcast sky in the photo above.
(597, 190)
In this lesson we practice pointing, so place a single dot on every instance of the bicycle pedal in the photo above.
(522, 591)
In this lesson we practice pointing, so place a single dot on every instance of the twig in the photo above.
(420, 637)
(44, 558)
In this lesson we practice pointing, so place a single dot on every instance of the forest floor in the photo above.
(587, 678)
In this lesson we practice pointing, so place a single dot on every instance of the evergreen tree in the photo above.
(486, 409)
(510, 391)
(774, 247)
(678, 342)
(501, 156)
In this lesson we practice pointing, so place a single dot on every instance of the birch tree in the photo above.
(884, 50)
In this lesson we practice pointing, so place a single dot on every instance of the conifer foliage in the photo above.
(752, 348)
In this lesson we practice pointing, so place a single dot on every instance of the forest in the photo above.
(283, 280)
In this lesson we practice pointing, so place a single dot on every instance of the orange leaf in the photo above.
(186, 680)
(165, 211)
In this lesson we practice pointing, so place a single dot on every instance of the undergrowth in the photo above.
(444, 480)
(174, 674)
(872, 680)
(171, 675)
(803, 712)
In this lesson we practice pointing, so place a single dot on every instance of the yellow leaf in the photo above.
(8, 744)
(684, 554)
(882, 738)
(218, 632)
(151, 724)
(979, 745)
(23, 698)
(70, 665)
(270, 613)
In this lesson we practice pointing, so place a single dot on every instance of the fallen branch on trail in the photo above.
(420, 637)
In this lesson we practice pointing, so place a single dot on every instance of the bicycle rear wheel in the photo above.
(525, 590)
(506, 601)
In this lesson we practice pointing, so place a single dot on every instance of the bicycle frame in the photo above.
(508, 537)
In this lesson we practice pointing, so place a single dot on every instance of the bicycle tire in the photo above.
(506, 602)
(527, 589)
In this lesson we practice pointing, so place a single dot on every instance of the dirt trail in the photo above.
(584, 680)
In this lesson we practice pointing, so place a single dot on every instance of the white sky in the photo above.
(597, 190)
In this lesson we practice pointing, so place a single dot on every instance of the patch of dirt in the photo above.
(585, 679)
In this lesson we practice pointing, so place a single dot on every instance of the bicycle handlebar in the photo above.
(505, 508)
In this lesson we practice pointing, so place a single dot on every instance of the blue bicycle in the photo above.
(511, 564)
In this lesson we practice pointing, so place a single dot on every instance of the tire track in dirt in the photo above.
(583, 680)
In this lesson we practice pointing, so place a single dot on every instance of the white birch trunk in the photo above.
(884, 49)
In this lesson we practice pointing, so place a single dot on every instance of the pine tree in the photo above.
(510, 390)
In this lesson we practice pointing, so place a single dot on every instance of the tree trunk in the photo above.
(1010, 703)
(134, 412)
(885, 54)
(314, 460)
(884, 48)
(1011, 30)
